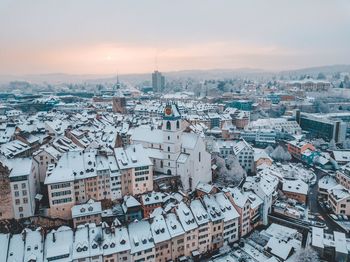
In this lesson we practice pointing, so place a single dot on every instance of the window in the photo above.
(168, 148)
(168, 125)
(177, 124)
(199, 156)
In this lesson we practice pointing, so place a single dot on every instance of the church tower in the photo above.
(172, 130)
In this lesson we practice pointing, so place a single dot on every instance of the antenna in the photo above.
(156, 61)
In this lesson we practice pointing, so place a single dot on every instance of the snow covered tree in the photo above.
(269, 150)
(332, 145)
(280, 154)
(346, 144)
(307, 255)
(229, 170)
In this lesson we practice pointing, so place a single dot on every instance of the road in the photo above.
(316, 210)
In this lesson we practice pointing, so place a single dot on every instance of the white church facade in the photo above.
(175, 152)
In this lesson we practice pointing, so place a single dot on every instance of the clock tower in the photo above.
(172, 130)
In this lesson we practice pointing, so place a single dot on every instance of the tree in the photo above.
(318, 142)
(332, 145)
(321, 76)
(321, 107)
(280, 154)
(269, 150)
(229, 170)
(307, 255)
(346, 144)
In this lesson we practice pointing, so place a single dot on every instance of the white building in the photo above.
(23, 188)
(175, 152)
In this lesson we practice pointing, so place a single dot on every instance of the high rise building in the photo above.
(158, 81)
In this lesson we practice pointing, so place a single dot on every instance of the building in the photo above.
(176, 153)
(297, 148)
(295, 189)
(132, 209)
(150, 202)
(141, 242)
(162, 239)
(204, 226)
(217, 218)
(158, 82)
(190, 227)
(87, 213)
(319, 126)
(231, 218)
(23, 190)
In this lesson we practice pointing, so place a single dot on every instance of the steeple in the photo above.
(171, 112)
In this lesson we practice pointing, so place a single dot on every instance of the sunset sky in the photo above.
(103, 37)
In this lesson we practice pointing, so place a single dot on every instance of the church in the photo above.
(175, 152)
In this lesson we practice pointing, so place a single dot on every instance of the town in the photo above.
(125, 173)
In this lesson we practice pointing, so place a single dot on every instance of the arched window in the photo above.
(161, 164)
(168, 172)
(168, 148)
(168, 125)
(168, 137)
(177, 124)
(199, 156)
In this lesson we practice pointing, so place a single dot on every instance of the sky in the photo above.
(138, 36)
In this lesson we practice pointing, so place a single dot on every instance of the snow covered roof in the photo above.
(140, 236)
(58, 243)
(199, 212)
(295, 186)
(213, 208)
(34, 247)
(4, 244)
(131, 157)
(144, 134)
(226, 207)
(159, 230)
(152, 198)
(16, 249)
(88, 209)
(174, 225)
(186, 217)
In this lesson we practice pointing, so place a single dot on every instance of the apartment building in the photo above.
(162, 239)
(190, 227)
(204, 226)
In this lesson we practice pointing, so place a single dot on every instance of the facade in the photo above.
(297, 148)
(319, 126)
(87, 213)
(80, 176)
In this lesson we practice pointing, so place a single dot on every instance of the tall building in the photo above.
(158, 81)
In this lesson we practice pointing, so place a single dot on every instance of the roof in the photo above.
(144, 134)
(159, 230)
(16, 249)
(295, 186)
(279, 248)
(199, 212)
(174, 225)
(141, 236)
(230, 213)
(213, 208)
(88, 209)
(186, 217)
(131, 157)
(4, 243)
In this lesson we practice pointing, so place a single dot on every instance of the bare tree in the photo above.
(280, 154)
